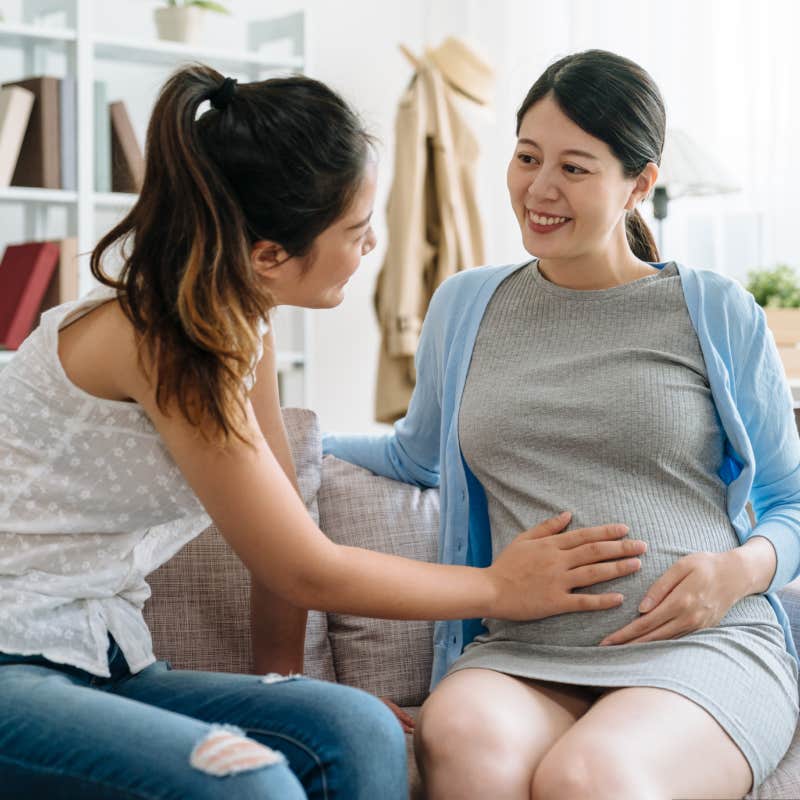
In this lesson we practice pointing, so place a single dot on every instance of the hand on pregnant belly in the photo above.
(696, 592)
(535, 575)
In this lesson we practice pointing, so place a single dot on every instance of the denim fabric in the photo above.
(68, 734)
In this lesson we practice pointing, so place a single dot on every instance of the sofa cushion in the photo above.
(199, 613)
(357, 508)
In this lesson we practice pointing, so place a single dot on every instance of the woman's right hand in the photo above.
(535, 575)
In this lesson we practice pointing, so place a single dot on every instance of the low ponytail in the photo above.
(640, 237)
(275, 160)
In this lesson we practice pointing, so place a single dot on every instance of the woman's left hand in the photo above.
(695, 592)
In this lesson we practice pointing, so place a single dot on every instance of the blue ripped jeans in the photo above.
(67, 734)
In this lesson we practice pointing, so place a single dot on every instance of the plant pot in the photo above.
(180, 23)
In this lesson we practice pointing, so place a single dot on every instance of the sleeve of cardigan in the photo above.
(411, 452)
(764, 400)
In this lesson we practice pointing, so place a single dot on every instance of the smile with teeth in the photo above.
(540, 220)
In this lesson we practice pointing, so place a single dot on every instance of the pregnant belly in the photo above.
(588, 628)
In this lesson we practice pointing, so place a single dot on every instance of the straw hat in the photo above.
(465, 66)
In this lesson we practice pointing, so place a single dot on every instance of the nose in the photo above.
(543, 186)
(369, 242)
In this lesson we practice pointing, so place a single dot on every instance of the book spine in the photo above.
(25, 273)
(69, 128)
(64, 284)
(102, 139)
(39, 162)
(16, 105)
(127, 164)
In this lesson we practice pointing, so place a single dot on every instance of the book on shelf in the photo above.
(25, 274)
(16, 105)
(39, 162)
(102, 139)
(63, 286)
(69, 133)
(127, 162)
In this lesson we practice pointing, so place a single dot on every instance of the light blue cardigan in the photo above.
(751, 394)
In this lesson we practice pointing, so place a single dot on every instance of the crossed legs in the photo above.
(486, 734)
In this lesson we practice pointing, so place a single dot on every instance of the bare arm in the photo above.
(277, 628)
(258, 511)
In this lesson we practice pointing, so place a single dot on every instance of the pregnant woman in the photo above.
(600, 379)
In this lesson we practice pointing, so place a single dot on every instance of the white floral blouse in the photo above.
(90, 503)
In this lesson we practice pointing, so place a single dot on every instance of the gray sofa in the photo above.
(199, 610)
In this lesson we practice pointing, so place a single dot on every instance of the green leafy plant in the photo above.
(208, 5)
(775, 288)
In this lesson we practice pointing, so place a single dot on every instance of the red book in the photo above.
(25, 273)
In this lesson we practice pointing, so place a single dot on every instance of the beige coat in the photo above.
(434, 227)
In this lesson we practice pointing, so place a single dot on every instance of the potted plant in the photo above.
(182, 20)
(778, 292)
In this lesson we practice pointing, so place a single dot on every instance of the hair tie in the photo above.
(223, 94)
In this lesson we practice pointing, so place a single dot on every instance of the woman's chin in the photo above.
(331, 298)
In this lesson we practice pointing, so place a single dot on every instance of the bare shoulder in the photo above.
(98, 353)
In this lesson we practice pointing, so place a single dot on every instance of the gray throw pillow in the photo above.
(357, 508)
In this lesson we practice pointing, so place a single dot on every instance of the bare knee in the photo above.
(446, 731)
(461, 740)
(587, 771)
(227, 751)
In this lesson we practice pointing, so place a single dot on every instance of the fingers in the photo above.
(591, 602)
(676, 574)
(671, 629)
(593, 552)
(548, 527)
(403, 717)
(667, 610)
(607, 571)
(598, 533)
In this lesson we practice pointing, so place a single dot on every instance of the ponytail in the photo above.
(275, 160)
(196, 325)
(640, 238)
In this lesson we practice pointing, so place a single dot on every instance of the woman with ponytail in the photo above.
(129, 417)
(600, 378)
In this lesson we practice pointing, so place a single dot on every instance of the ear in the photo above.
(267, 258)
(645, 182)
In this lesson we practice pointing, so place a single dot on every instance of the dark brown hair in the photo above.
(281, 161)
(616, 101)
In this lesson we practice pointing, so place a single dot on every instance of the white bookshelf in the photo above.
(87, 55)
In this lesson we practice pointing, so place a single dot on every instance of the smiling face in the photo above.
(567, 188)
(318, 279)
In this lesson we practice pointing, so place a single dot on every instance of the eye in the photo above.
(578, 170)
(526, 158)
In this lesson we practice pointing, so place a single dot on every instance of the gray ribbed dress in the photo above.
(598, 402)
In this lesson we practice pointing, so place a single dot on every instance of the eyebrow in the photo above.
(563, 152)
(362, 223)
